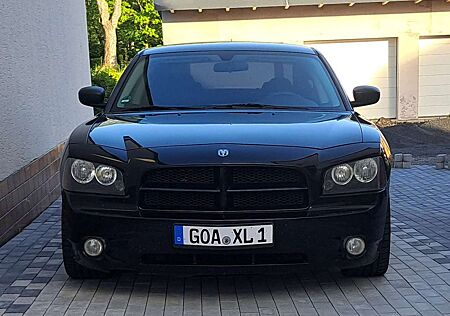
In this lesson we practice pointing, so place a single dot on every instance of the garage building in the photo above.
(403, 47)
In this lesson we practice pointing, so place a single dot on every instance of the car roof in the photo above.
(238, 46)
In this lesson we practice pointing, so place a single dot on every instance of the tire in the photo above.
(73, 268)
(381, 264)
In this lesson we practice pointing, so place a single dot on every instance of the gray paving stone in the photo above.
(21, 283)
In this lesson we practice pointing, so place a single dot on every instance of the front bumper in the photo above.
(138, 243)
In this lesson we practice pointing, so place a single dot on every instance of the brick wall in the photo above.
(27, 192)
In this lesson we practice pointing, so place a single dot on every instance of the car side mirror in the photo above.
(365, 95)
(92, 96)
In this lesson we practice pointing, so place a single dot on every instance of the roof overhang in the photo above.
(173, 5)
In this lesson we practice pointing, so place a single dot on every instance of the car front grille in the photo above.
(224, 189)
(180, 177)
(174, 200)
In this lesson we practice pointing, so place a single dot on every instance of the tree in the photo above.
(110, 23)
(139, 27)
(95, 33)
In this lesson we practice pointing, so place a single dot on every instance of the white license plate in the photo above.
(228, 236)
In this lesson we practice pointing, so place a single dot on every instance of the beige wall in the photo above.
(406, 22)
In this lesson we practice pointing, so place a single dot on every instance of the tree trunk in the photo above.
(110, 57)
(109, 27)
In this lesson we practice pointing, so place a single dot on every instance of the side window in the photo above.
(135, 90)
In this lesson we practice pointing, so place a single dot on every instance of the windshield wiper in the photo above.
(220, 106)
(255, 106)
(157, 107)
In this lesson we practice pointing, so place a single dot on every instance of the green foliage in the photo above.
(106, 78)
(139, 28)
(95, 33)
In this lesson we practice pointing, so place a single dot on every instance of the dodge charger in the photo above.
(226, 156)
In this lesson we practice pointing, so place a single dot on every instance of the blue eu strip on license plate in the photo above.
(228, 236)
(178, 230)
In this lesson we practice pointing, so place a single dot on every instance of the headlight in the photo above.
(82, 171)
(357, 176)
(88, 177)
(366, 170)
(342, 174)
(105, 175)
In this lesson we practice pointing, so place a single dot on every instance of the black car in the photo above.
(226, 156)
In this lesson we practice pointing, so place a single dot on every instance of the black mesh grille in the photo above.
(174, 200)
(224, 189)
(262, 177)
(179, 177)
(266, 200)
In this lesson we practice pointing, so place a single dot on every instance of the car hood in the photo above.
(309, 129)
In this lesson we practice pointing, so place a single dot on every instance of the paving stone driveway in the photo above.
(33, 281)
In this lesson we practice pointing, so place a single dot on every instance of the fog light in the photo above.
(355, 246)
(93, 247)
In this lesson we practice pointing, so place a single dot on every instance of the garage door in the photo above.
(365, 63)
(434, 77)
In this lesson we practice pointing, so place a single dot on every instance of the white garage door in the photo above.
(366, 63)
(434, 77)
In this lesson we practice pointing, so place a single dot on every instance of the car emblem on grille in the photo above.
(223, 152)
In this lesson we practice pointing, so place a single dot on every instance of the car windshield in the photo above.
(222, 79)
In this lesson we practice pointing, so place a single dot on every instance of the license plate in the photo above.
(228, 236)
